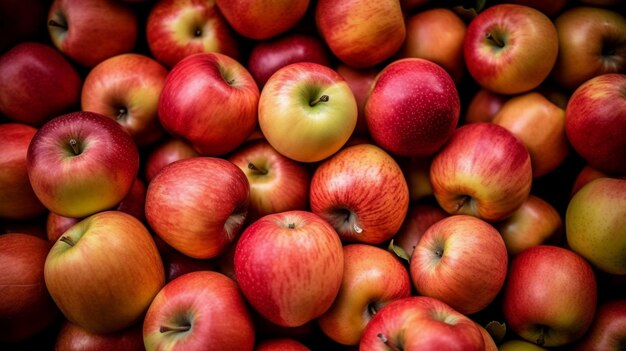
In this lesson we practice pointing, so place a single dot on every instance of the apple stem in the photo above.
(67, 240)
(388, 342)
(54, 23)
(323, 98)
(498, 42)
(74, 145)
(357, 229)
(541, 340)
(178, 328)
(253, 167)
(121, 113)
(291, 226)
(461, 203)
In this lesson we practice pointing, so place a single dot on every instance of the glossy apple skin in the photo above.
(268, 56)
(372, 278)
(540, 125)
(206, 200)
(608, 330)
(169, 150)
(552, 291)
(484, 170)
(418, 219)
(72, 337)
(210, 100)
(302, 249)
(462, 261)
(95, 177)
(277, 183)
(25, 304)
(126, 88)
(280, 344)
(43, 84)
(17, 198)
(83, 27)
(413, 108)
(262, 19)
(421, 323)
(592, 42)
(483, 106)
(584, 176)
(343, 25)
(113, 271)
(225, 322)
(295, 123)
(595, 223)
(508, 60)
(362, 193)
(595, 122)
(360, 82)
(176, 29)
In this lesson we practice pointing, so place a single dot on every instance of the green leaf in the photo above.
(497, 330)
(398, 251)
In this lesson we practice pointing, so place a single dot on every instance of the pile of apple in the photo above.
(312, 175)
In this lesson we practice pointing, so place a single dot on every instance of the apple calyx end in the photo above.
(67, 240)
(323, 98)
(388, 342)
(253, 167)
(178, 328)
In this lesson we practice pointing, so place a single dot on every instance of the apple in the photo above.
(584, 176)
(608, 330)
(210, 100)
(413, 108)
(205, 200)
(199, 311)
(540, 125)
(304, 251)
(462, 261)
(360, 82)
(108, 266)
(25, 306)
(417, 173)
(436, 35)
(177, 264)
(361, 191)
(361, 33)
(177, 29)
(536, 222)
(421, 323)
(591, 43)
(72, 337)
(169, 150)
(268, 56)
(418, 219)
(40, 84)
(307, 111)
(501, 48)
(483, 106)
(595, 224)
(82, 29)
(126, 88)
(550, 296)
(595, 122)
(519, 345)
(262, 19)
(484, 171)
(20, 20)
(280, 344)
(277, 183)
(81, 163)
(372, 278)
(17, 198)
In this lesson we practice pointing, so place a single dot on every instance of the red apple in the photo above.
(210, 100)
(280, 344)
(56, 225)
(483, 106)
(584, 176)
(81, 163)
(304, 251)
(39, 84)
(360, 82)
(418, 219)
(169, 150)
(608, 330)
(72, 337)
(206, 200)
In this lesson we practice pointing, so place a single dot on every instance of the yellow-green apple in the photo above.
(39, 84)
(608, 330)
(210, 100)
(82, 30)
(280, 344)
(421, 323)
(277, 183)
(501, 48)
(262, 19)
(549, 8)
(25, 304)
(21, 20)
(372, 278)
(81, 163)
(595, 224)
(436, 35)
(592, 42)
(413, 108)
(17, 198)
(268, 56)
(483, 106)
(462, 261)
(360, 82)
(550, 296)
(176, 29)
(206, 199)
(304, 251)
(361, 33)
(362, 193)
(519, 345)
(176, 263)
(595, 122)
(534, 223)
(417, 173)
(126, 88)
(418, 219)
(199, 311)
(307, 111)
(540, 125)
(169, 150)
(72, 337)
(483, 171)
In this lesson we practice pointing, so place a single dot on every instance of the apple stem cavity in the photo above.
(177, 328)
(323, 98)
(489, 36)
(67, 240)
(462, 202)
(388, 342)
(541, 340)
(54, 23)
(253, 167)
(291, 226)
(74, 145)
(122, 112)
